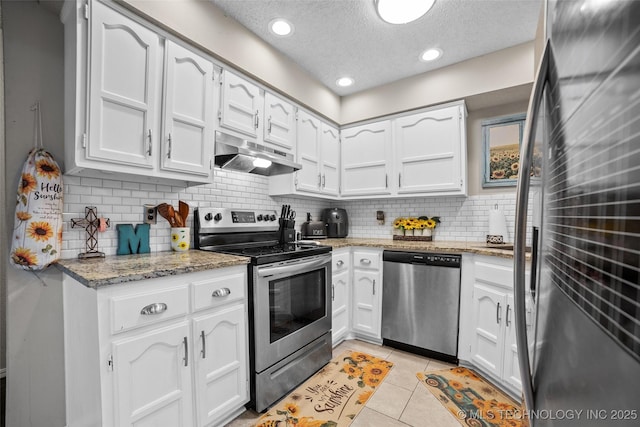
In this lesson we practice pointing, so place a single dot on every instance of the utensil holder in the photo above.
(180, 239)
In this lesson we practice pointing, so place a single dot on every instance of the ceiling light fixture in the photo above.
(402, 11)
(344, 81)
(281, 27)
(430, 54)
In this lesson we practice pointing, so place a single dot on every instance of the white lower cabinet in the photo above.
(220, 360)
(488, 337)
(367, 294)
(170, 351)
(340, 288)
(152, 381)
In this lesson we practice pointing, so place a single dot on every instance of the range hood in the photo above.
(237, 154)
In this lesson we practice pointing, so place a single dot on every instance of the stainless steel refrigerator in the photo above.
(582, 153)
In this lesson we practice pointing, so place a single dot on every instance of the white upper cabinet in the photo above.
(240, 105)
(188, 111)
(330, 159)
(124, 96)
(308, 153)
(366, 159)
(428, 150)
(279, 120)
(121, 115)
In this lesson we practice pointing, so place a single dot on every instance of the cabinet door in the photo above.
(240, 108)
(279, 121)
(152, 379)
(340, 301)
(366, 302)
(123, 92)
(487, 343)
(511, 368)
(366, 157)
(220, 354)
(428, 151)
(188, 111)
(308, 136)
(330, 159)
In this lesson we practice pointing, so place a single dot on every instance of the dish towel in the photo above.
(37, 232)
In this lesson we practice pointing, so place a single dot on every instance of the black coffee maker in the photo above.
(337, 222)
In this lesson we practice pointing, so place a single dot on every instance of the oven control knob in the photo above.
(208, 217)
(217, 217)
(259, 218)
(272, 217)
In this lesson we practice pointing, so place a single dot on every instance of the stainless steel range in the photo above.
(289, 297)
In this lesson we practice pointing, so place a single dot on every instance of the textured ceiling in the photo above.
(334, 38)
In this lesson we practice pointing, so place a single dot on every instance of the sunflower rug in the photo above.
(333, 396)
(473, 401)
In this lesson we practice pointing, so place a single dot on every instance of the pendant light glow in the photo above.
(281, 27)
(402, 11)
(430, 55)
(344, 81)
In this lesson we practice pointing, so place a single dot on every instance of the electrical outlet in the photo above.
(150, 215)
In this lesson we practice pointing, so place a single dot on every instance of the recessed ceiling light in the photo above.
(344, 81)
(281, 27)
(430, 54)
(402, 11)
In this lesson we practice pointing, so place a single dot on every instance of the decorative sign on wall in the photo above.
(501, 139)
(133, 241)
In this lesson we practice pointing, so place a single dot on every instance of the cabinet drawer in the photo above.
(133, 311)
(217, 291)
(366, 259)
(340, 262)
(500, 275)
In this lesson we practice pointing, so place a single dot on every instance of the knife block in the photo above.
(287, 231)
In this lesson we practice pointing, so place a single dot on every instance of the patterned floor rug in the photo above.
(333, 396)
(473, 401)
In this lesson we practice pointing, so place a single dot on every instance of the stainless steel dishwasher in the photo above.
(421, 303)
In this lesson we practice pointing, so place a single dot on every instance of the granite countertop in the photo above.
(98, 272)
(435, 246)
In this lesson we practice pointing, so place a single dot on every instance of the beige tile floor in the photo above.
(400, 401)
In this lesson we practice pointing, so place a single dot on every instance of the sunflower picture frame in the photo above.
(501, 140)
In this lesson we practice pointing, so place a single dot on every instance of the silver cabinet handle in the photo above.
(333, 292)
(222, 292)
(186, 351)
(374, 286)
(204, 347)
(169, 149)
(155, 308)
(506, 320)
(269, 125)
(257, 121)
(366, 261)
(547, 64)
(150, 142)
(323, 181)
(498, 314)
(319, 180)
(386, 180)
(399, 180)
(340, 263)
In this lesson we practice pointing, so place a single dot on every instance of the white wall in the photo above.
(33, 67)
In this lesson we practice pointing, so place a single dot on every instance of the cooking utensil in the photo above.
(172, 216)
(184, 212)
(178, 218)
(163, 210)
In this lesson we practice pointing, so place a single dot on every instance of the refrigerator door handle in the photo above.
(522, 196)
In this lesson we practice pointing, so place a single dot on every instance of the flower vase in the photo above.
(427, 232)
(409, 232)
(398, 232)
(180, 239)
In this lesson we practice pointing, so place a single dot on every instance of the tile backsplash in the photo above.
(463, 218)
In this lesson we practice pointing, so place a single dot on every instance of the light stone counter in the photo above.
(435, 246)
(97, 272)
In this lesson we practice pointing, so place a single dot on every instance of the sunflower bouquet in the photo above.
(415, 228)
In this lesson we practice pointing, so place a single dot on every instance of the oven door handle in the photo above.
(293, 267)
